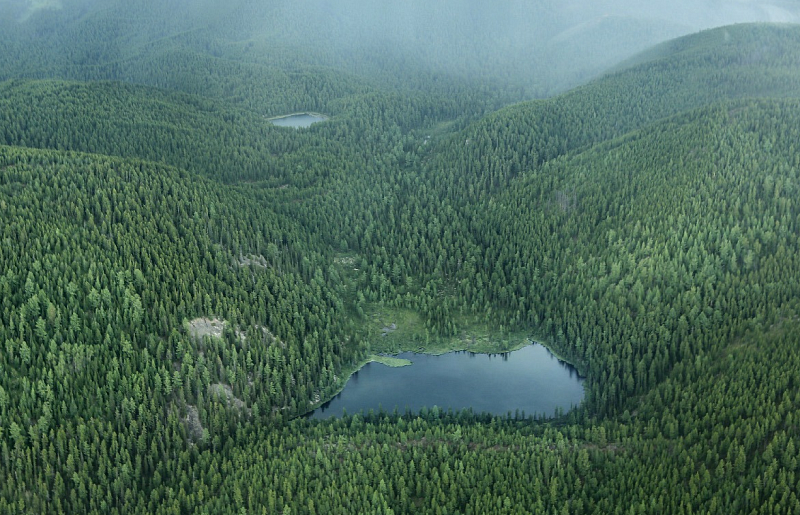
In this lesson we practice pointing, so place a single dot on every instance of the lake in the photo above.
(530, 379)
(298, 120)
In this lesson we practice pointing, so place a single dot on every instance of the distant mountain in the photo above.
(587, 49)
(523, 49)
(742, 61)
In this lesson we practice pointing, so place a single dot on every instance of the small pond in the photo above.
(298, 121)
(530, 379)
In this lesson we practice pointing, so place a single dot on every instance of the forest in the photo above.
(181, 281)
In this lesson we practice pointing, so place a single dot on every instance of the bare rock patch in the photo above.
(224, 391)
(192, 423)
(201, 327)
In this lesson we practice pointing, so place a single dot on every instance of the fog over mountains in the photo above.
(540, 46)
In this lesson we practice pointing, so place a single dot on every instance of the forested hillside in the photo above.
(180, 280)
(152, 373)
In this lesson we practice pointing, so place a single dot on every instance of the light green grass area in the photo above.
(389, 361)
(392, 330)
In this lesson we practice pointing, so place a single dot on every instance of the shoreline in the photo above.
(400, 362)
(309, 113)
(559, 357)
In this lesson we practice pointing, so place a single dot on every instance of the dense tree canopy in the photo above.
(180, 280)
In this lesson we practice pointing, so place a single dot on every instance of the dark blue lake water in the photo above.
(297, 120)
(530, 379)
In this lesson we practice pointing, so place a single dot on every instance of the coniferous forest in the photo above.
(181, 280)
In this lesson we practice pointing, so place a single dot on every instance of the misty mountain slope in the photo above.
(519, 44)
(582, 57)
(542, 46)
(732, 62)
(519, 50)
(736, 43)
(264, 88)
(175, 63)
(150, 44)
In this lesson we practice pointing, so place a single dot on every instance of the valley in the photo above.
(182, 281)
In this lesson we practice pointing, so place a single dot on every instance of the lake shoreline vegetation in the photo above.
(298, 120)
(528, 382)
(393, 361)
(309, 113)
(389, 361)
(180, 280)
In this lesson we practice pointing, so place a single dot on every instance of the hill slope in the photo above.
(653, 297)
(645, 225)
(437, 203)
(105, 260)
(742, 61)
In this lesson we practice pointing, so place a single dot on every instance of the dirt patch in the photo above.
(268, 336)
(567, 200)
(345, 260)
